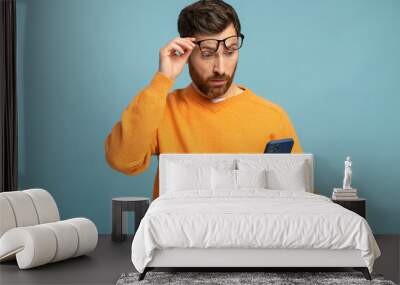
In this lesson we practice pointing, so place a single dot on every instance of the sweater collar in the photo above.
(194, 95)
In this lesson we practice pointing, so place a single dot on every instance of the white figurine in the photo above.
(347, 174)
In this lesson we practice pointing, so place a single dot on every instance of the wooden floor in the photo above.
(111, 259)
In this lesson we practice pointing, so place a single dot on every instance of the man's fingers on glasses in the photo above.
(192, 40)
(185, 46)
(182, 51)
(191, 43)
(186, 43)
(189, 39)
(175, 47)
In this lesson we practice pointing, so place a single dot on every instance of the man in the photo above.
(210, 115)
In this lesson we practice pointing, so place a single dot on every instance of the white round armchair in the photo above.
(32, 233)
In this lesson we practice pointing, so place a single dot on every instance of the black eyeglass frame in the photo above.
(223, 40)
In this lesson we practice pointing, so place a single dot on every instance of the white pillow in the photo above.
(223, 179)
(294, 178)
(251, 178)
(236, 179)
(185, 177)
(210, 161)
(282, 174)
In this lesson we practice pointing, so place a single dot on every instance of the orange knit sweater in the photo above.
(183, 121)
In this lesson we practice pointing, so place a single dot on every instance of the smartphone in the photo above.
(279, 146)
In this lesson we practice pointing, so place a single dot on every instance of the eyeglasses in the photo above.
(209, 47)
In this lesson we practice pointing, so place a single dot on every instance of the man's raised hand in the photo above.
(171, 64)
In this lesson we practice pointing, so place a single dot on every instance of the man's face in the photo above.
(204, 68)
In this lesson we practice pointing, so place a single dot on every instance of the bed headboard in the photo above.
(216, 158)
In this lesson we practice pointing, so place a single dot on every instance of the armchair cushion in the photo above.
(45, 243)
(31, 231)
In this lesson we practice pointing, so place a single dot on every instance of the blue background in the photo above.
(333, 65)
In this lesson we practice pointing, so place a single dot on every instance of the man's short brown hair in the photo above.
(207, 17)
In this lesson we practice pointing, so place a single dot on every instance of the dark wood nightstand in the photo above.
(120, 207)
(357, 206)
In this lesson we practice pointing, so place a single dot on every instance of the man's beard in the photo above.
(206, 87)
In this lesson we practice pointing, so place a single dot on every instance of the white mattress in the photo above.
(250, 218)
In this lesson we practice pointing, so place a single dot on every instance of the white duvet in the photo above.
(250, 218)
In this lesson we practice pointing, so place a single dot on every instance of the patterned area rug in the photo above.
(229, 278)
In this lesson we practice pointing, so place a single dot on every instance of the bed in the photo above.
(247, 210)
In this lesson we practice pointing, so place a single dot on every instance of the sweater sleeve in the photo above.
(288, 131)
(132, 141)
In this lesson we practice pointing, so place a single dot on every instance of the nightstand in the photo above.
(357, 206)
(120, 207)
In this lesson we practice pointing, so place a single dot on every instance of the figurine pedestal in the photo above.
(343, 190)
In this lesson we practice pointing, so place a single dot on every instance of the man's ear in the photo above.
(189, 61)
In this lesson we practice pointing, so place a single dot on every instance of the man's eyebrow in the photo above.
(214, 38)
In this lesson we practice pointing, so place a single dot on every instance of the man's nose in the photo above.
(219, 61)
